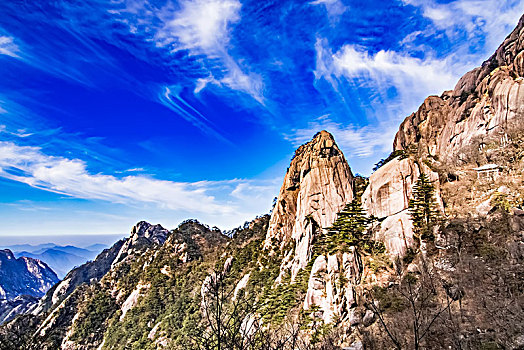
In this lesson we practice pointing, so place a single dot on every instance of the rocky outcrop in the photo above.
(22, 282)
(23, 276)
(143, 236)
(331, 285)
(485, 104)
(317, 185)
(387, 198)
(132, 299)
(19, 305)
(86, 273)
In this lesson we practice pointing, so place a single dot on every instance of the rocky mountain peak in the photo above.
(23, 276)
(143, 236)
(322, 145)
(484, 106)
(6, 254)
(201, 235)
(153, 233)
(318, 183)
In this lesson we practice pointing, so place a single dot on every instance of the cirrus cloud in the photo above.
(71, 177)
(8, 47)
(203, 28)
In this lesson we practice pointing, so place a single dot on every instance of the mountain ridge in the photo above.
(22, 281)
(454, 283)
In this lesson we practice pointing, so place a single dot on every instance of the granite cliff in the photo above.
(486, 103)
(318, 183)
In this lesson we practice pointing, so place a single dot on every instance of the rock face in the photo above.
(86, 273)
(19, 305)
(317, 185)
(22, 282)
(60, 310)
(331, 285)
(143, 235)
(387, 197)
(23, 276)
(486, 102)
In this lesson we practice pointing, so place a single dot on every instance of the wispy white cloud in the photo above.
(71, 177)
(34, 56)
(134, 170)
(334, 8)
(27, 205)
(203, 28)
(410, 76)
(8, 47)
(18, 133)
(489, 21)
(170, 97)
(396, 82)
(355, 141)
(395, 85)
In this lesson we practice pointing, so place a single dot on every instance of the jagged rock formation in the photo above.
(318, 183)
(387, 198)
(147, 291)
(143, 236)
(150, 250)
(23, 276)
(19, 305)
(331, 286)
(22, 280)
(485, 103)
(86, 273)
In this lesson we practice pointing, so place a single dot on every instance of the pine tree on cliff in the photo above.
(423, 208)
(349, 229)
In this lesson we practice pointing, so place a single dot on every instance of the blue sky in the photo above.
(117, 111)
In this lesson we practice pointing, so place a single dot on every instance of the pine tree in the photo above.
(423, 208)
(351, 223)
(349, 229)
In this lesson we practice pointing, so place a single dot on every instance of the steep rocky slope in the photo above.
(387, 198)
(22, 280)
(115, 283)
(61, 259)
(143, 236)
(450, 134)
(318, 183)
(480, 225)
(23, 276)
(486, 103)
(19, 305)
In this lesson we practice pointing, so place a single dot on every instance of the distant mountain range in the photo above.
(22, 281)
(60, 258)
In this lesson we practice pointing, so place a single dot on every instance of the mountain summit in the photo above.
(486, 103)
(318, 183)
(23, 276)
(22, 282)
